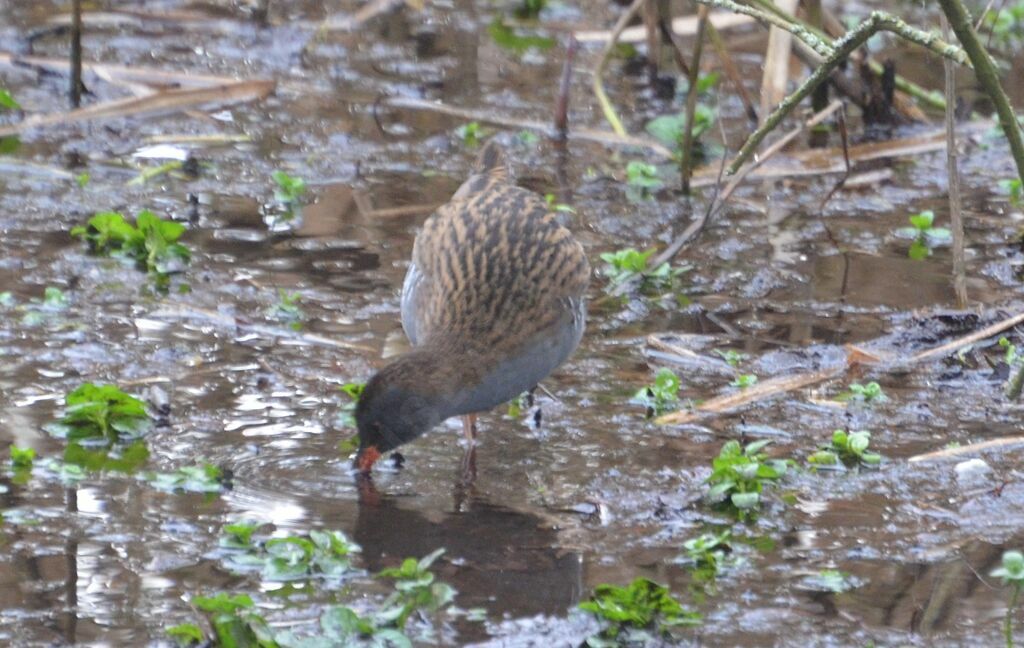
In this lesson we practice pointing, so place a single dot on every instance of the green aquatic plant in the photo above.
(353, 390)
(707, 554)
(1010, 354)
(869, 393)
(101, 411)
(627, 264)
(82, 179)
(742, 381)
(516, 40)
(1011, 572)
(318, 554)
(152, 242)
(642, 612)
(662, 395)
(22, 458)
(343, 626)
(740, 474)
(846, 449)
(1013, 189)
(642, 180)
(39, 311)
(1005, 23)
(416, 590)
(287, 309)
(234, 620)
(669, 129)
(471, 134)
(290, 189)
(830, 580)
(202, 478)
(107, 458)
(553, 205)
(8, 101)
(925, 236)
(732, 358)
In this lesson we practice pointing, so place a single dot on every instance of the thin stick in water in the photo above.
(76, 53)
(956, 220)
(686, 149)
(564, 88)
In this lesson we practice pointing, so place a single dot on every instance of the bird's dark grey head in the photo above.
(396, 406)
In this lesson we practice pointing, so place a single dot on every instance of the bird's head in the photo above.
(398, 404)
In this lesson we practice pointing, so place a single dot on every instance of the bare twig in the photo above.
(564, 88)
(686, 148)
(677, 51)
(76, 53)
(602, 97)
(956, 221)
(844, 136)
(729, 66)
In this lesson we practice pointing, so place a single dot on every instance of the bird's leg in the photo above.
(468, 466)
(469, 427)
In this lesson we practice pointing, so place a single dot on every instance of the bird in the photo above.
(494, 300)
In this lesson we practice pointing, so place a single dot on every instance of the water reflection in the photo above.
(504, 560)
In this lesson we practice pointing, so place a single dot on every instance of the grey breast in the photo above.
(531, 363)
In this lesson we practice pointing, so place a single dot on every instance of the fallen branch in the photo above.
(971, 338)
(949, 453)
(759, 392)
(160, 102)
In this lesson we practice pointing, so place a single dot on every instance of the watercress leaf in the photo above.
(745, 501)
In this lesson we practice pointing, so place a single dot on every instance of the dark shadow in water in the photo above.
(505, 561)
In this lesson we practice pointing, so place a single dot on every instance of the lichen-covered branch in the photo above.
(856, 37)
(988, 77)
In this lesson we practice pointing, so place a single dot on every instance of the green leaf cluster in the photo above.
(101, 412)
(326, 554)
(846, 449)
(739, 475)
(152, 242)
(662, 395)
(416, 589)
(924, 235)
(290, 189)
(515, 40)
(205, 478)
(624, 265)
(638, 612)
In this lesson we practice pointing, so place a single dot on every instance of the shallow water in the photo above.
(597, 493)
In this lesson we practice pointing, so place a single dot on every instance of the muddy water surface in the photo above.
(596, 493)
